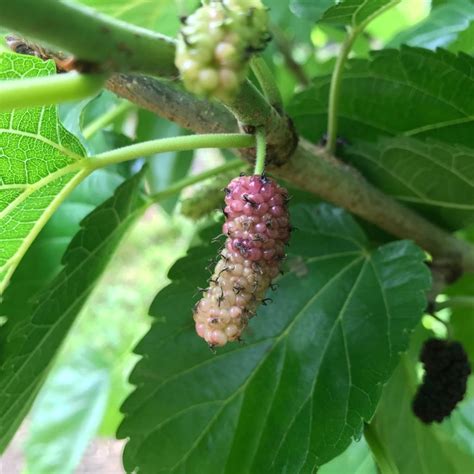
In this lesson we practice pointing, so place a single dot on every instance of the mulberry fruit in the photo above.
(257, 229)
(213, 48)
(444, 383)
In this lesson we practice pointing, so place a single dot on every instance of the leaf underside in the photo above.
(311, 369)
(356, 13)
(40, 163)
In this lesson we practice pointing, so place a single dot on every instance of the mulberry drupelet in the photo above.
(257, 228)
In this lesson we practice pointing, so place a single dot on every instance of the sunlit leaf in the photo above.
(40, 164)
(356, 13)
(441, 28)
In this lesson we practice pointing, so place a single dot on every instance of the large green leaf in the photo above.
(67, 413)
(32, 345)
(356, 13)
(311, 368)
(40, 164)
(440, 28)
(436, 179)
(415, 447)
(411, 92)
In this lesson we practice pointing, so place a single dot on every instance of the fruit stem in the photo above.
(462, 302)
(163, 145)
(190, 180)
(334, 91)
(336, 79)
(106, 119)
(261, 151)
(384, 462)
(267, 82)
(48, 90)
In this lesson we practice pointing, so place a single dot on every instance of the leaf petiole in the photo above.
(261, 152)
(267, 82)
(182, 143)
(334, 91)
(49, 90)
(190, 180)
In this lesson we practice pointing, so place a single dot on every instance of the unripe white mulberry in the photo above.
(257, 228)
(215, 45)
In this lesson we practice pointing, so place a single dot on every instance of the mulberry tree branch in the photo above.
(111, 45)
(117, 46)
(309, 168)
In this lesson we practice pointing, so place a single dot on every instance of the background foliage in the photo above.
(323, 358)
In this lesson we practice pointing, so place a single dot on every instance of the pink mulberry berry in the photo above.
(257, 229)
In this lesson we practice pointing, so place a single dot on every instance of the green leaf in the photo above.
(434, 178)
(311, 368)
(396, 19)
(40, 164)
(33, 344)
(67, 413)
(415, 447)
(411, 91)
(159, 15)
(309, 9)
(356, 13)
(440, 28)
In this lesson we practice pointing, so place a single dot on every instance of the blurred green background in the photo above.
(77, 412)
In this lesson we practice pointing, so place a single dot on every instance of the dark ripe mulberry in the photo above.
(445, 381)
(257, 228)
(215, 44)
